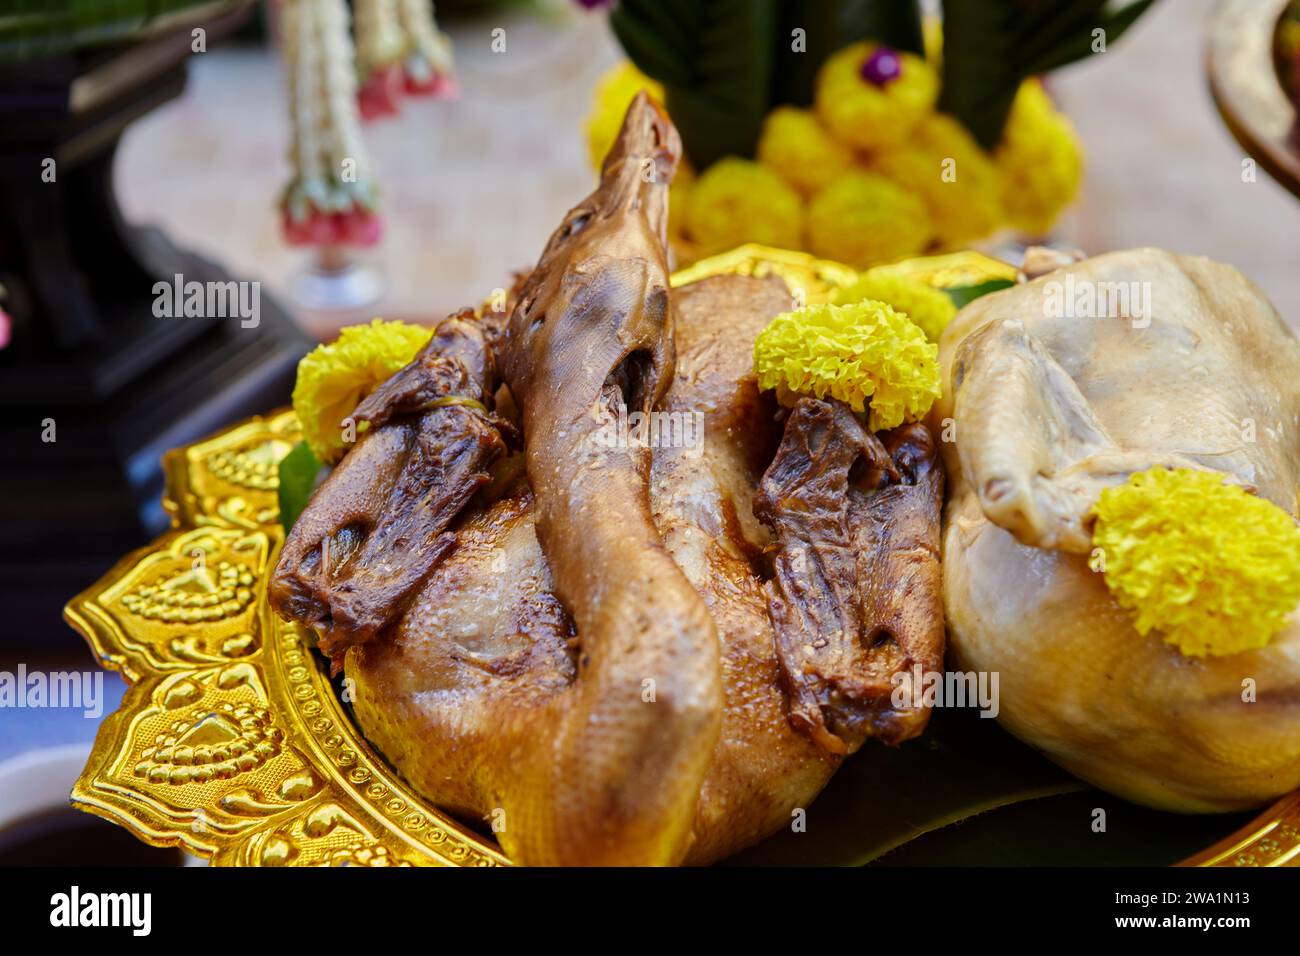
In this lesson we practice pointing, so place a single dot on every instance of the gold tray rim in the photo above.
(310, 790)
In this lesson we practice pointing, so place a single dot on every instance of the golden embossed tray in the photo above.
(231, 741)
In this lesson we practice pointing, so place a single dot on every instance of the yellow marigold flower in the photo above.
(1040, 160)
(799, 149)
(867, 115)
(925, 305)
(737, 201)
(333, 378)
(853, 353)
(862, 220)
(609, 102)
(944, 165)
(1214, 569)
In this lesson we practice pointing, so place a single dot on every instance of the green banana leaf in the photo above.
(298, 472)
(51, 27)
(715, 62)
(990, 46)
(828, 26)
(962, 294)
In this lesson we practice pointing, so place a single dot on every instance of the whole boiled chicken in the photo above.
(1172, 361)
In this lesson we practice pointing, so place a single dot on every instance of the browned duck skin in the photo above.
(856, 600)
(378, 525)
(456, 693)
(592, 336)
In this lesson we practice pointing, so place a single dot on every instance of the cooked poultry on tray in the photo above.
(630, 571)
(625, 651)
(1048, 411)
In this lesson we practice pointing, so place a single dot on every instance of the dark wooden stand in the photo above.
(120, 385)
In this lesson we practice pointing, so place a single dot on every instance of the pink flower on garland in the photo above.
(380, 93)
(356, 227)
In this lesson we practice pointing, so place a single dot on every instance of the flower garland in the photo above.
(331, 198)
(380, 48)
(429, 66)
(400, 50)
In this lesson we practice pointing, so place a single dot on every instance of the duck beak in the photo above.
(642, 160)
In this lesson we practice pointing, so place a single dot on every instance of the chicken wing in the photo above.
(375, 529)
(855, 602)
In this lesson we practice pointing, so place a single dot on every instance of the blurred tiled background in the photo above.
(473, 187)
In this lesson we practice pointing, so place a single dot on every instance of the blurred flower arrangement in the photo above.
(331, 200)
(853, 129)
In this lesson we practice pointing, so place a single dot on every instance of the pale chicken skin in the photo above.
(1048, 411)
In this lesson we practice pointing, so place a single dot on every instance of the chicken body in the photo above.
(1047, 410)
